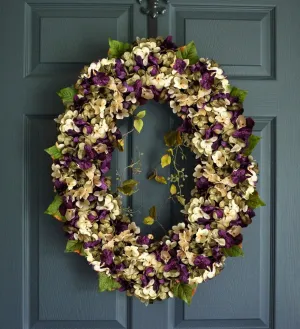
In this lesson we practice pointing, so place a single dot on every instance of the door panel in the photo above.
(62, 37)
(47, 44)
(241, 38)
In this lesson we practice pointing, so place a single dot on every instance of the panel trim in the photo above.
(30, 272)
(267, 124)
(35, 12)
(266, 70)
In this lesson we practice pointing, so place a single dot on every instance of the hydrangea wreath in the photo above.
(213, 128)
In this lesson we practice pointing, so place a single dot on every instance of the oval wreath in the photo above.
(213, 128)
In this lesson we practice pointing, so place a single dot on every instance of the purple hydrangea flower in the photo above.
(229, 239)
(204, 221)
(172, 265)
(238, 176)
(60, 186)
(179, 65)
(103, 213)
(243, 133)
(72, 133)
(138, 88)
(235, 114)
(208, 209)
(152, 59)
(175, 237)
(89, 152)
(83, 164)
(216, 253)
(168, 43)
(215, 145)
(125, 285)
(105, 165)
(213, 129)
(250, 212)
(139, 62)
(219, 213)
(120, 227)
(91, 244)
(217, 126)
(89, 129)
(107, 257)
(143, 240)
(186, 126)
(129, 88)
(154, 70)
(202, 262)
(243, 160)
(184, 273)
(74, 220)
(206, 81)
(202, 183)
(120, 70)
(144, 280)
(155, 92)
(92, 217)
(238, 222)
(79, 102)
(101, 79)
(80, 122)
(199, 67)
(250, 123)
(92, 198)
(148, 270)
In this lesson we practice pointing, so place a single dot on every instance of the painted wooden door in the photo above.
(44, 45)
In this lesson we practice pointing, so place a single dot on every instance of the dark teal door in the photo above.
(44, 44)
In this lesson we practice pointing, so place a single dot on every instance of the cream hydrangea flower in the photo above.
(219, 158)
(181, 83)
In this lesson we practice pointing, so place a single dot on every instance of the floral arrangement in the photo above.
(213, 128)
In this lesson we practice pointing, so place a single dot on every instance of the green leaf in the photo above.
(173, 189)
(234, 251)
(170, 151)
(165, 160)
(152, 212)
(128, 186)
(107, 283)
(152, 175)
(240, 93)
(184, 291)
(130, 182)
(255, 201)
(117, 48)
(181, 200)
(173, 138)
(161, 179)
(138, 125)
(141, 114)
(75, 246)
(253, 141)
(67, 94)
(188, 52)
(120, 145)
(148, 220)
(53, 209)
(54, 152)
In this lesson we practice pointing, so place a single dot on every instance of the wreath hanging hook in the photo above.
(153, 8)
